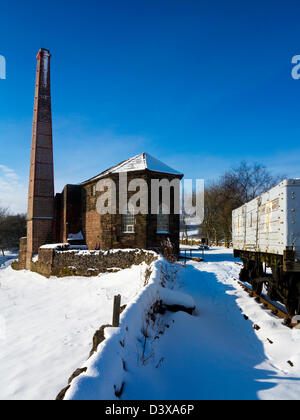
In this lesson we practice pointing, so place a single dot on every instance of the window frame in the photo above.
(126, 223)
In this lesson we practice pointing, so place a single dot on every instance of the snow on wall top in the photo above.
(138, 163)
(76, 236)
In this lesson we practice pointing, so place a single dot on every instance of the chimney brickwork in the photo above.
(41, 180)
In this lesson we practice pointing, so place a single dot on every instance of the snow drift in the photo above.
(105, 377)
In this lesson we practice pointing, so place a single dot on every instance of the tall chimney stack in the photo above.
(41, 181)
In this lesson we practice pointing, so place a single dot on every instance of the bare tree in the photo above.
(12, 228)
(3, 214)
(211, 213)
(246, 182)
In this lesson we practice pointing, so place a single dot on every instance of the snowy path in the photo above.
(9, 255)
(47, 326)
(217, 354)
(46, 329)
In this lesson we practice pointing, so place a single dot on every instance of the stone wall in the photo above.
(20, 264)
(155, 239)
(106, 231)
(53, 262)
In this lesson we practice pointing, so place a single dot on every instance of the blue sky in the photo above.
(200, 85)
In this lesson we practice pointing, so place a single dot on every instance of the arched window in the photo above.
(163, 219)
(128, 222)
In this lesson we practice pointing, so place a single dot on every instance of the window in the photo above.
(94, 190)
(128, 221)
(163, 220)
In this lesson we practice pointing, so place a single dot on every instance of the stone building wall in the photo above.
(155, 239)
(78, 213)
(106, 231)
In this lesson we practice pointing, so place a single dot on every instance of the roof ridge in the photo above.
(143, 162)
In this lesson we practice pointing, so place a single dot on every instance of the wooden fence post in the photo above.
(117, 310)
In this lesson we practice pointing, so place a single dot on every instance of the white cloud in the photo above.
(12, 191)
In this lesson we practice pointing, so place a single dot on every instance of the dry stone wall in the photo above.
(53, 262)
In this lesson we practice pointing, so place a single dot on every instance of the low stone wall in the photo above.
(53, 262)
(20, 264)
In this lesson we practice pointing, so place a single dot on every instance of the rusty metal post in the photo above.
(117, 310)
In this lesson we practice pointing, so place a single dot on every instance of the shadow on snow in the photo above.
(221, 350)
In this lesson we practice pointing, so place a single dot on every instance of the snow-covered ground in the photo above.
(215, 354)
(47, 326)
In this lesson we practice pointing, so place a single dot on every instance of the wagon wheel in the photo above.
(257, 287)
(292, 303)
(244, 274)
(291, 307)
(272, 294)
(255, 272)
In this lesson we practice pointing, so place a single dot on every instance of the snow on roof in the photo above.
(138, 163)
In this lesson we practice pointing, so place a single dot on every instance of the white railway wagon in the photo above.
(266, 233)
(271, 222)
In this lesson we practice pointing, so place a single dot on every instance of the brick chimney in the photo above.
(41, 180)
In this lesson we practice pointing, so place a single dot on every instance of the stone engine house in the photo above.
(77, 219)
(72, 215)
